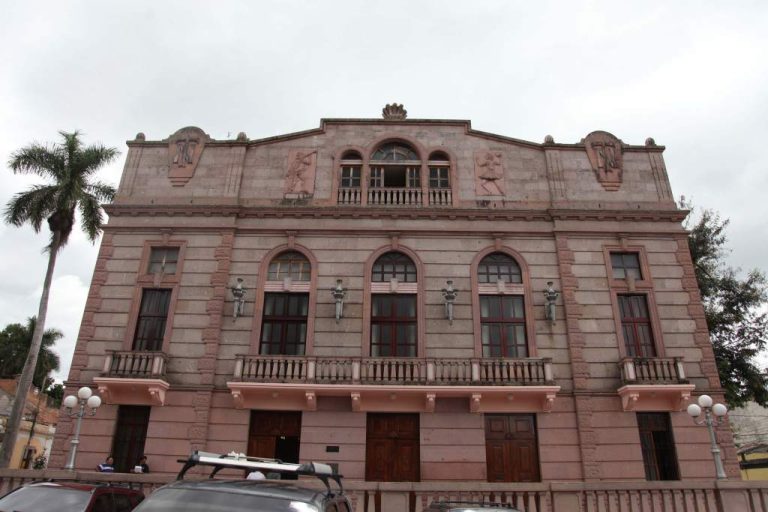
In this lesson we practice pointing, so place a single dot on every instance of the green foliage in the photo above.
(735, 309)
(15, 341)
(70, 166)
(55, 395)
(40, 462)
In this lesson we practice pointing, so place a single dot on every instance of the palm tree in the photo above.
(15, 341)
(71, 168)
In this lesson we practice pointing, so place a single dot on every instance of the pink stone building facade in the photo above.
(212, 322)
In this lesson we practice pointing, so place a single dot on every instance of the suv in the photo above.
(71, 497)
(247, 495)
(468, 506)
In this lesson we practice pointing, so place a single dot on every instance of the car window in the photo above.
(331, 507)
(46, 499)
(102, 503)
(192, 500)
(122, 503)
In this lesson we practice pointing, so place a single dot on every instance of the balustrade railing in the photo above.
(135, 364)
(652, 370)
(394, 196)
(393, 370)
(440, 197)
(349, 196)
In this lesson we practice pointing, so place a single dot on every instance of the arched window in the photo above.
(502, 308)
(499, 267)
(286, 305)
(289, 264)
(394, 322)
(395, 177)
(350, 178)
(439, 171)
(394, 265)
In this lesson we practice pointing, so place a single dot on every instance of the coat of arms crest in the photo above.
(184, 150)
(604, 152)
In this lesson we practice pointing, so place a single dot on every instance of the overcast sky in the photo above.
(693, 75)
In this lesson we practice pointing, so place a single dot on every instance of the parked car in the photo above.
(468, 506)
(245, 495)
(70, 497)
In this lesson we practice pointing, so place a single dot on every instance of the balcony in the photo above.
(389, 196)
(133, 378)
(393, 384)
(654, 384)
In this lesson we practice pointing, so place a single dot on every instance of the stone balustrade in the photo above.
(393, 370)
(135, 364)
(652, 370)
(699, 495)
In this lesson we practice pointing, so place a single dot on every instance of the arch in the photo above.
(352, 154)
(439, 156)
(388, 263)
(530, 322)
(394, 151)
(339, 156)
(394, 246)
(395, 137)
(258, 310)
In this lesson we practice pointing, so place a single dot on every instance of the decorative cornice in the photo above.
(272, 212)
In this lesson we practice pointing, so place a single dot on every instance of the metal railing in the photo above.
(394, 370)
(138, 364)
(652, 370)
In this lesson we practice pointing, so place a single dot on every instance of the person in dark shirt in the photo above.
(108, 466)
(142, 464)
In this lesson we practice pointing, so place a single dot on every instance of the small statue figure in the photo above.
(449, 294)
(238, 292)
(338, 293)
(551, 295)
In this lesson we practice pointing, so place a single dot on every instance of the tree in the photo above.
(70, 169)
(735, 309)
(15, 341)
(55, 394)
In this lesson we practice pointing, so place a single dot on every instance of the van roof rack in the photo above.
(234, 460)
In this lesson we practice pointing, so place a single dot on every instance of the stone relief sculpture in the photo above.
(185, 147)
(489, 174)
(604, 152)
(300, 178)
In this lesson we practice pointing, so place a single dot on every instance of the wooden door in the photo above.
(392, 448)
(268, 428)
(130, 436)
(511, 448)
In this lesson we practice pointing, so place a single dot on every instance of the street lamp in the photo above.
(85, 398)
(713, 415)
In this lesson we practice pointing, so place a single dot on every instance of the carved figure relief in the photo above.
(604, 152)
(489, 174)
(185, 148)
(300, 178)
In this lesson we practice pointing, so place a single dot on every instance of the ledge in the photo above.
(132, 391)
(385, 398)
(655, 397)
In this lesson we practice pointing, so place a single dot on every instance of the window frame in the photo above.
(284, 320)
(522, 289)
(264, 286)
(288, 257)
(371, 288)
(393, 321)
(643, 286)
(634, 322)
(146, 315)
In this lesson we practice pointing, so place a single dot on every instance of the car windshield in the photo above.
(45, 499)
(191, 500)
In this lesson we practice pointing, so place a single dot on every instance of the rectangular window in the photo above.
(636, 326)
(284, 324)
(393, 326)
(626, 265)
(658, 445)
(377, 177)
(153, 314)
(414, 181)
(163, 259)
(350, 176)
(502, 321)
(130, 436)
(438, 177)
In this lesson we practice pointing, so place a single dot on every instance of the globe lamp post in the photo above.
(713, 416)
(84, 399)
